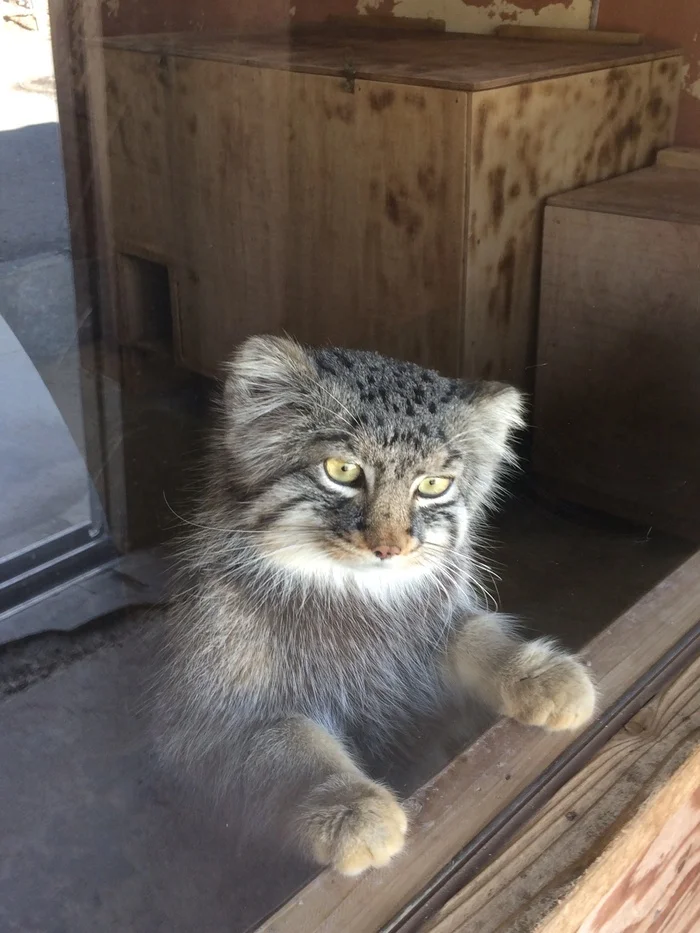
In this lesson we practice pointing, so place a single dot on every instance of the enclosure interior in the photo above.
(199, 255)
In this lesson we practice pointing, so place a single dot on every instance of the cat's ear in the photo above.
(267, 372)
(487, 419)
(269, 382)
(493, 413)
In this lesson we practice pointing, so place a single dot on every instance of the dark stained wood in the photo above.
(466, 63)
(529, 142)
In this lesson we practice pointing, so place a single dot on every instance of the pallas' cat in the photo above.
(331, 595)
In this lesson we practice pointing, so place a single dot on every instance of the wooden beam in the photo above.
(498, 769)
(679, 157)
(598, 828)
(556, 34)
(384, 21)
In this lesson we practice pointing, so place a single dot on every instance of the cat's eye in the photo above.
(433, 486)
(342, 471)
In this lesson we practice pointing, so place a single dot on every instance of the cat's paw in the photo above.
(547, 687)
(353, 825)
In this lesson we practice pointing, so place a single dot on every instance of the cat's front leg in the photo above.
(535, 682)
(339, 816)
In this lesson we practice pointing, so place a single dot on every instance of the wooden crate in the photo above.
(617, 401)
(371, 191)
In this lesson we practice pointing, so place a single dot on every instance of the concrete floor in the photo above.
(93, 837)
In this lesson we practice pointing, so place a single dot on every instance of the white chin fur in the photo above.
(315, 565)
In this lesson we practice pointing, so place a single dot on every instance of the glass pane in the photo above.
(46, 488)
(345, 178)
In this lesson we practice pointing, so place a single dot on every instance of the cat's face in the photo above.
(347, 462)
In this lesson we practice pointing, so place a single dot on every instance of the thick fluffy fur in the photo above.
(295, 649)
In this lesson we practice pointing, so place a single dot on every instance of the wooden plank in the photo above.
(378, 265)
(137, 137)
(230, 154)
(334, 215)
(679, 157)
(657, 861)
(528, 143)
(561, 34)
(617, 402)
(620, 795)
(657, 193)
(380, 21)
(456, 805)
(447, 60)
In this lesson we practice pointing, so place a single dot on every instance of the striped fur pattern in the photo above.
(296, 645)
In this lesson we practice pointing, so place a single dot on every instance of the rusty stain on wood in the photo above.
(568, 132)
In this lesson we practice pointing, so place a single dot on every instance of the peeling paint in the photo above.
(691, 79)
(482, 16)
(368, 6)
(693, 88)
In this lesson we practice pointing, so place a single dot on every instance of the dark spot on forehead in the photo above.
(325, 365)
(343, 357)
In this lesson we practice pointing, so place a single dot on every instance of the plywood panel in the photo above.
(330, 211)
(618, 396)
(528, 142)
(676, 21)
(137, 135)
(576, 829)
(657, 193)
(377, 201)
(231, 154)
(458, 62)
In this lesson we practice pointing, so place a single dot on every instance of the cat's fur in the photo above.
(294, 649)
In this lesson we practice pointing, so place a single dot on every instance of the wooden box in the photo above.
(617, 400)
(379, 191)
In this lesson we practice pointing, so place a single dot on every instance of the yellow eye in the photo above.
(341, 471)
(433, 486)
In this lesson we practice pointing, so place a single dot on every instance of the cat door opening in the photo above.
(146, 305)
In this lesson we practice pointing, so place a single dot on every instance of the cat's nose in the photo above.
(384, 551)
